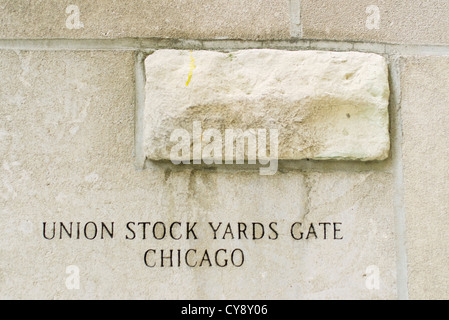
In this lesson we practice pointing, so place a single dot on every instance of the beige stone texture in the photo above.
(404, 22)
(325, 105)
(110, 19)
(66, 123)
(67, 136)
(425, 97)
(364, 203)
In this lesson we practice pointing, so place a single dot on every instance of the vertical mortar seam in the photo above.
(139, 110)
(398, 176)
(295, 19)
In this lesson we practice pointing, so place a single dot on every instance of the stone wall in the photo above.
(92, 207)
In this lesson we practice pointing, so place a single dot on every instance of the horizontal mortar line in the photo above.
(150, 44)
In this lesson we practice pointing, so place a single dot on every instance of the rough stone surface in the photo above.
(109, 19)
(325, 105)
(67, 133)
(425, 96)
(405, 22)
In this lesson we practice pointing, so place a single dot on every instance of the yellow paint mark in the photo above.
(192, 67)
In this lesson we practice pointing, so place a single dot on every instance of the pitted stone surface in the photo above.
(325, 105)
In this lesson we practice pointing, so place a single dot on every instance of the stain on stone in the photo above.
(192, 183)
(167, 174)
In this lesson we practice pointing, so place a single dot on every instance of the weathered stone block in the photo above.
(323, 105)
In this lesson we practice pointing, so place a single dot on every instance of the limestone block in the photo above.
(323, 105)
(425, 97)
(405, 22)
(110, 19)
